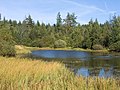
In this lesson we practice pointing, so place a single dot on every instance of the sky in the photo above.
(46, 10)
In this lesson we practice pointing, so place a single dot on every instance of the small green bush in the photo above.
(7, 49)
(115, 46)
(60, 44)
(97, 47)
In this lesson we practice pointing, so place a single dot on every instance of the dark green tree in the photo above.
(115, 29)
(59, 20)
(69, 22)
(7, 47)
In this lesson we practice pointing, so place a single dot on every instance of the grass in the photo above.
(27, 74)
(20, 49)
(77, 49)
(24, 74)
(90, 50)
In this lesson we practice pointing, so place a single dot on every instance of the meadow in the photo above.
(28, 74)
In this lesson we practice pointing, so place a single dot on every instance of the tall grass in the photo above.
(24, 74)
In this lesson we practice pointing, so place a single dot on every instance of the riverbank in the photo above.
(77, 49)
(23, 49)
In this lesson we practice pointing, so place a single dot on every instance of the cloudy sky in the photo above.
(46, 10)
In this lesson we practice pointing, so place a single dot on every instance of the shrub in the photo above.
(37, 43)
(115, 46)
(97, 47)
(7, 49)
(60, 44)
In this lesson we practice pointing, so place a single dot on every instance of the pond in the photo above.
(84, 63)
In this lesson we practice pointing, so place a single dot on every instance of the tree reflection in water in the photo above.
(84, 63)
(102, 72)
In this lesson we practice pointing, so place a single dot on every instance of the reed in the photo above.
(26, 74)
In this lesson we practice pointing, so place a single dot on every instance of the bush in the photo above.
(97, 47)
(60, 44)
(115, 46)
(7, 49)
(37, 43)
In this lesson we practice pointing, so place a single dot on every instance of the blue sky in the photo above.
(46, 10)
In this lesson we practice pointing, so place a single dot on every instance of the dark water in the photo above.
(84, 63)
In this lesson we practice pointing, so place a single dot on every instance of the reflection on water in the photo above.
(84, 63)
(83, 72)
(109, 73)
(102, 73)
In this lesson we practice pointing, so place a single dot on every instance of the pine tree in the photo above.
(59, 20)
(70, 20)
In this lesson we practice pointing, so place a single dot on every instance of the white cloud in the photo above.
(83, 6)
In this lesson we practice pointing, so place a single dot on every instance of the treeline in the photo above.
(65, 32)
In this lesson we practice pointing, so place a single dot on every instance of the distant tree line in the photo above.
(65, 32)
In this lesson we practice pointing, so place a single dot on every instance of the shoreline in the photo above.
(75, 49)
(22, 50)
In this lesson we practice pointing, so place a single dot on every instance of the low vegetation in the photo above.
(60, 44)
(26, 74)
(97, 47)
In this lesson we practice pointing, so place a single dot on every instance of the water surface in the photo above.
(84, 63)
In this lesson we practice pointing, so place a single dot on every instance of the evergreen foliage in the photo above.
(93, 34)
(7, 49)
(115, 46)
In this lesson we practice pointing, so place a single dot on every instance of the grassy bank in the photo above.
(20, 49)
(23, 49)
(26, 74)
(77, 49)
(93, 51)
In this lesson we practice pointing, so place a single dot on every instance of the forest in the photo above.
(65, 32)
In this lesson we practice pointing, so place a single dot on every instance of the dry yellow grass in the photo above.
(20, 49)
(20, 74)
(24, 74)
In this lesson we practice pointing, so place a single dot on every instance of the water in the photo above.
(60, 54)
(84, 63)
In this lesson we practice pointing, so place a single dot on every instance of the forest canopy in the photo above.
(65, 32)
